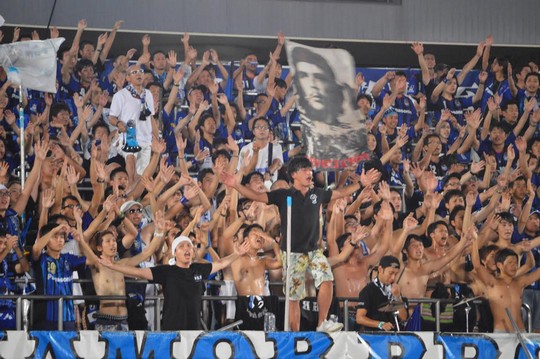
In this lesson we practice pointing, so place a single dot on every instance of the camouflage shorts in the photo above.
(315, 262)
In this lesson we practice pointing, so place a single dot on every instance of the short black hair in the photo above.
(535, 74)
(221, 152)
(250, 175)
(102, 125)
(507, 217)
(203, 173)
(450, 176)
(433, 226)
(366, 97)
(82, 63)
(451, 194)
(116, 171)
(455, 212)
(261, 118)
(485, 250)
(500, 125)
(47, 228)
(298, 163)
(251, 227)
(504, 253)
(58, 107)
(69, 197)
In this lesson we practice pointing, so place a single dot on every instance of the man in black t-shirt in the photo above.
(379, 293)
(182, 282)
(305, 232)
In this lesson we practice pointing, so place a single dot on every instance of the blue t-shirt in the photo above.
(55, 277)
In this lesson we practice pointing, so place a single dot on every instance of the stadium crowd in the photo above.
(177, 172)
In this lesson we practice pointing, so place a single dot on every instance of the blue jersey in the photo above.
(404, 106)
(55, 277)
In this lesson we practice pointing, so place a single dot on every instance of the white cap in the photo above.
(127, 205)
(3, 188)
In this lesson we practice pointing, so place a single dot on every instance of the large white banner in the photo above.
(34, 63)
(192, 344)
(333, 129)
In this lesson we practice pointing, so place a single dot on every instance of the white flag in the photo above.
(334, 130)
(33, 63)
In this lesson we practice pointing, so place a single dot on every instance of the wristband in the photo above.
(445, 80)
(184, 201)
(380, 325)
(159, 234)
(100, 180)
(194, 162)
(178, 84)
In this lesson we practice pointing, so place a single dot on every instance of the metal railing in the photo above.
(159, 298)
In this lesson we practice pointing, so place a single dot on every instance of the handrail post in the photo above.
(346, 314)
(60, 314)
(157, 306)
(437, 315)
(18, 313)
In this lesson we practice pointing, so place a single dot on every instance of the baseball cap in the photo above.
(3, 188)
(389, 261)
(126, 206)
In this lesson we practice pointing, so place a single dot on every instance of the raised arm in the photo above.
(230, 180)
(418, 49)
(472, 63)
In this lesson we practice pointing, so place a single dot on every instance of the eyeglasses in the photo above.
(131, 211)
(135, 72)
(72, 206)
(262, 128)
(4, 194)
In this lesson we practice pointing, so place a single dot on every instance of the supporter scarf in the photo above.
(145, 111)
(385, 289)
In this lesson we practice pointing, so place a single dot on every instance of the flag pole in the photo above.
(286, 325)
(21, 136)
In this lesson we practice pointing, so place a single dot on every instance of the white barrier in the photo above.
(193, 344)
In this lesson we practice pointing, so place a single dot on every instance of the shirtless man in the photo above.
(506, 290)
(414, 277)
(112, 314)
(249, 279)
(438, 233)
(351, 276)
(248, 270)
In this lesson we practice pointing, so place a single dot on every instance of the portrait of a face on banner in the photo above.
(333, 130)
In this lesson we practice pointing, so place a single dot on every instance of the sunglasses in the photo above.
(131, 211)
(135, 72)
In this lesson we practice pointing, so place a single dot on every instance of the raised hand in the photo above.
(102, 39)
(54, 32)
(4, 169)
(72, 176)
(47, 198)
(178, 76)
(81, 25)
(369, 178)
(171, 58)
(409, 223)
(146, 40)
(214, 56)
(418, 48)
(477, 167)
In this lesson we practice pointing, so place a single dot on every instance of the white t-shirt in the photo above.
(262, 161)
(126, 107)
